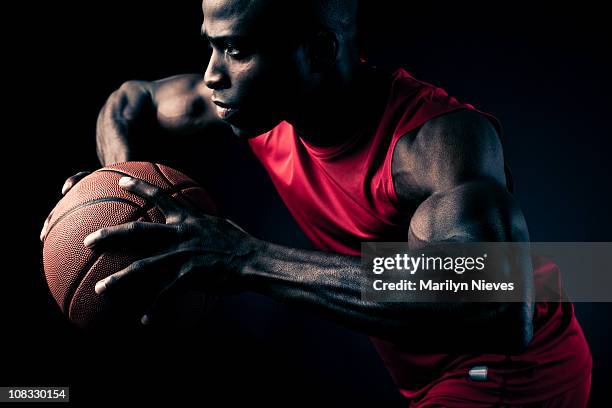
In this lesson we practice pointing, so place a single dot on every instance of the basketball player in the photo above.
(356, 155)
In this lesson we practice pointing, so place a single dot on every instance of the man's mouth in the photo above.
(224, 110)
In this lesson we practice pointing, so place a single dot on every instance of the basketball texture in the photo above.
(97, 201)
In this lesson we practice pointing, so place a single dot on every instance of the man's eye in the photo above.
(233, 51)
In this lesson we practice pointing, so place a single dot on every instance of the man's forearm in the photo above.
(330, 284)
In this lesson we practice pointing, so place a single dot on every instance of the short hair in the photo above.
(338, 16)
(301, 17)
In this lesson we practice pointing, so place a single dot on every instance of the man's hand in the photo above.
(194, 249)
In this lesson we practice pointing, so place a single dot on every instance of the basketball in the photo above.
(97, 201)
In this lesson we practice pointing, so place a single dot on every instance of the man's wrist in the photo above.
(246, 265)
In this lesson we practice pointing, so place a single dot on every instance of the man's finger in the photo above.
(132, 234)
(149, 274)
(166, 204)
(43, 231)
(71, 181)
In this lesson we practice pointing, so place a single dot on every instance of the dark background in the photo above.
(542, 71)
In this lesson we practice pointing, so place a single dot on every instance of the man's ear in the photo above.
(323, 50)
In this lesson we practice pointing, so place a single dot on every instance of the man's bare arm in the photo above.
(150, 121)
(141, 119)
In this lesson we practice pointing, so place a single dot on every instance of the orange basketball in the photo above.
(96, 202)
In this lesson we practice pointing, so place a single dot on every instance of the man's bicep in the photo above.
(479, 210)
(456, 163)
(183, 104)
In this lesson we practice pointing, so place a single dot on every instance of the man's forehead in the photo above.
(251, 18)
(226, 9)
(225, 17)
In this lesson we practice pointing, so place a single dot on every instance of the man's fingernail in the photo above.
(43, 231)
(145, 320)
(100, 287)
(125, 181)
(67, 185)
(90, 240)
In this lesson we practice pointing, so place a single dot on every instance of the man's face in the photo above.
(256, 69)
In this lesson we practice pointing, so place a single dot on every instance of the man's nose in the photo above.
(215, 76)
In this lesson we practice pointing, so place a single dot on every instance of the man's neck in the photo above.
(338, 113)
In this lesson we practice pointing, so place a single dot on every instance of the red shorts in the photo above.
(576, 397)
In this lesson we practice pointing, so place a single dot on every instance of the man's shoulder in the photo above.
(443, 149)
(457, 126)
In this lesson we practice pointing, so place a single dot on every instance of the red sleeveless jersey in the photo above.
(343, 195)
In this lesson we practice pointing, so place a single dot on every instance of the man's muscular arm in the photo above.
(454, 166)
(141, 119)
(151, 121)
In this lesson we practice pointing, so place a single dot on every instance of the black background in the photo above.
(543, 72)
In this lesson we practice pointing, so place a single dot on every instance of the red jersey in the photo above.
(343, 195)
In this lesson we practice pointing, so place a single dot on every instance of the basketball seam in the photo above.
(180, 190)
(161, 174)
(76, 283)
(88, 203)
(182, 187)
